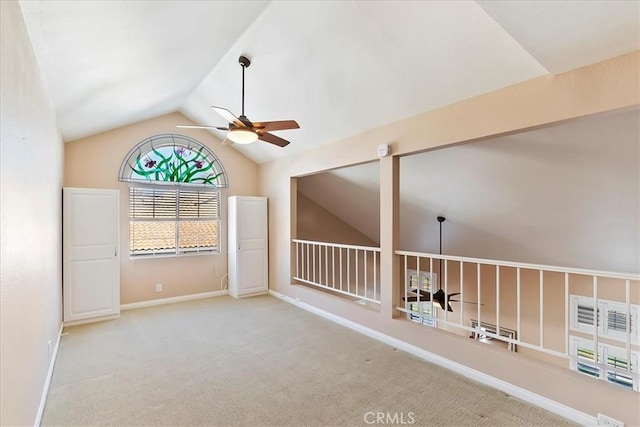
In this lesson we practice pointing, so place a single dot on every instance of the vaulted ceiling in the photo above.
(338, 68)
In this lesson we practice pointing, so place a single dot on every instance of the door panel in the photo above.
(91, 275)
(93, 296)
(248, 245)
(253, 277)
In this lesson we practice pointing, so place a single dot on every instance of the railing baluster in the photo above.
(596, 317)
(308, 276)
(627, 299)
(297, 259)
(357, 283)
(566, 313)
(541, 308)
(406, 283)
(518, 303)
(326, 266)
(462, 292)
(341, 269)
(479, 293)
(498, 299)
(319, 265)
(348, 270)
(446, 291)
(431, 286)
(333, 267)
(364, 263)
(419, 288)
(375, 276)
(314, 262)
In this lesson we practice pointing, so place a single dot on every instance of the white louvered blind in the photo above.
(611, 318)
(173, 221)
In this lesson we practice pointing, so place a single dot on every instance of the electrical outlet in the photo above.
(159, 287)
(49, 348)
(604, 420)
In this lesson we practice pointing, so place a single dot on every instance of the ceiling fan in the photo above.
(241, 130)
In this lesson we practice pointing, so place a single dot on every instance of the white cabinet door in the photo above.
(247, 246)
(91, 263)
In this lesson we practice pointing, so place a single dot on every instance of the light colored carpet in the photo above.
(257, 362)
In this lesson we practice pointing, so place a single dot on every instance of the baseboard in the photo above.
(521, 393)
(91, 320)
(172, 300)
(47, 383)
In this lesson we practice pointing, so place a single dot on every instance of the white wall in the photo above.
(31, 161)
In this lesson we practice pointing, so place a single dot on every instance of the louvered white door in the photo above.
(91, 274)
(247, 246)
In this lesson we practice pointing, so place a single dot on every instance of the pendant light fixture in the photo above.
(439, 296)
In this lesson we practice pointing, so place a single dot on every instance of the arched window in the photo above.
(173, 159)
(174, 197)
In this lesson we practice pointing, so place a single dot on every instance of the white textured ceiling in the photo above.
(338, 68)
(112, 63)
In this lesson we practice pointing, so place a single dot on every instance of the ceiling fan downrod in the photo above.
(244, 63)
(440, 219)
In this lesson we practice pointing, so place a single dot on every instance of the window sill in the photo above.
(163, 256)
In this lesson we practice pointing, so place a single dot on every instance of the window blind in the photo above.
(173, 220)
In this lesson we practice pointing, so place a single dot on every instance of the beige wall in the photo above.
(315, 223)
(30, 211)
(94, 162)
(607, 86)
(318, 224)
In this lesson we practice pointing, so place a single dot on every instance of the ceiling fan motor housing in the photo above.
(244, 61)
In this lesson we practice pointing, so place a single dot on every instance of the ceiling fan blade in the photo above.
(277, 125)
(272, 139)
(201, 127)
(228, 116)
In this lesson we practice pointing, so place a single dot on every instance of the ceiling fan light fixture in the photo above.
(242, 136)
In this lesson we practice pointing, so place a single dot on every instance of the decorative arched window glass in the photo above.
(174, 159)
(174, 197)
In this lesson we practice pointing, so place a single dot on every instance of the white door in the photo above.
(248, 219)
(91, 262)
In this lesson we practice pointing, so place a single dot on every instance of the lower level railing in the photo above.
(348, 270)
(587, 319)
(583, 316)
